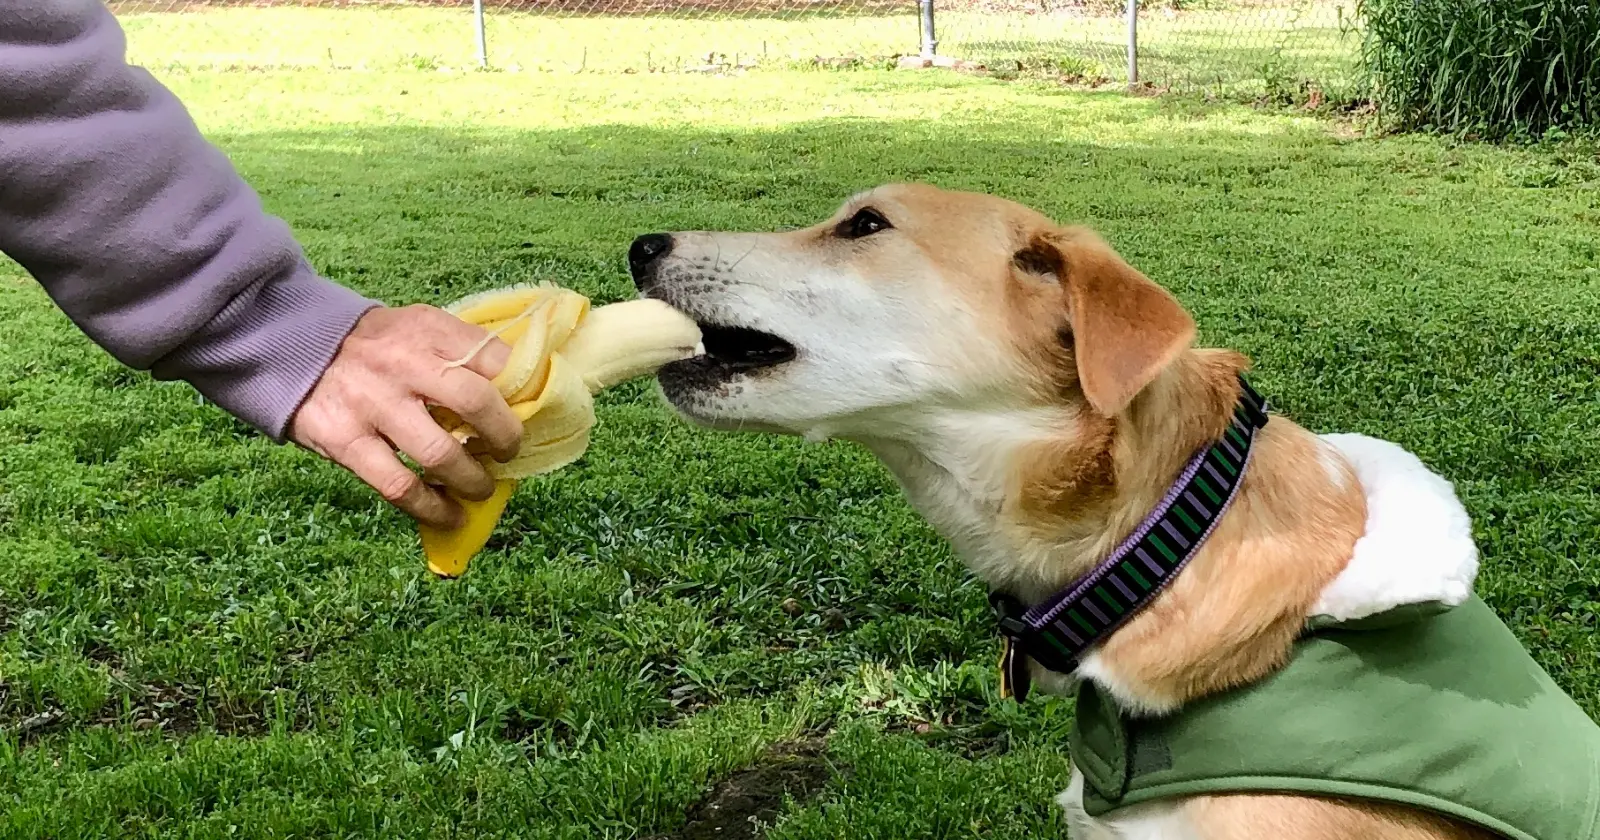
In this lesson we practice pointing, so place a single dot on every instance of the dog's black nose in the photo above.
(644, 253)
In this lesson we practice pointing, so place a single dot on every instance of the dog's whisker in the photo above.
(748, 252)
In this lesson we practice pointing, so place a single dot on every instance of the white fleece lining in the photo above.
(1418, 544)
(1417, 548)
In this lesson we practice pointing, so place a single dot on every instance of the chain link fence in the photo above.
(1219, 44)
(1215, 44)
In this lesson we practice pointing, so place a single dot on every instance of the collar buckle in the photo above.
(1008, 613)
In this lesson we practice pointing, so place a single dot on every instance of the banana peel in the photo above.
(563, 352)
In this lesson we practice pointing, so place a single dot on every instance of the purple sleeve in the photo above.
(142, 232)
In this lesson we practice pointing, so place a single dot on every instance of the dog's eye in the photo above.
(865, 222)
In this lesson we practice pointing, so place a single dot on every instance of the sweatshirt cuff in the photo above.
(260, 356)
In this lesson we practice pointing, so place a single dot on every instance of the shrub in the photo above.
(1495, 68)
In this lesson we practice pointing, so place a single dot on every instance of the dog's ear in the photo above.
(1125, 328)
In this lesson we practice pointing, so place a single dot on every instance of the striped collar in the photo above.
(1056, 631)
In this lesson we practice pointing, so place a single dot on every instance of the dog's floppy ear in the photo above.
(1125, 328)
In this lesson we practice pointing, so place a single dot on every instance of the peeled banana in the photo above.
(562, 354)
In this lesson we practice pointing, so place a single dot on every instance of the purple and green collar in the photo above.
(1056, 631)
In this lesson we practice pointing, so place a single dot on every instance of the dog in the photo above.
(1037, 397)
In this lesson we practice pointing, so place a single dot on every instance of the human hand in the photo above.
(372, 400)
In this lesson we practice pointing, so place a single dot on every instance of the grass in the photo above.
(1239, 49)
(206, 635)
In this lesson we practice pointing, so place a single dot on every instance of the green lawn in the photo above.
(1238, 47)
(209, 636)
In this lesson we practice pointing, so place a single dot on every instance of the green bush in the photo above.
(1495, 68)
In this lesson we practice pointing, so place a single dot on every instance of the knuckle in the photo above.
(337, 450)
(478, 401)
(399, 486)
(336, 446)
(422, 314)
(436, 451)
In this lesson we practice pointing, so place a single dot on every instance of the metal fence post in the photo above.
(1133, 43)
(483, 39)
(930, 44)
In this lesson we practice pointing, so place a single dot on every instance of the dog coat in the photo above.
(1406, 688)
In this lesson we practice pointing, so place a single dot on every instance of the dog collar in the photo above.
(1056, 631)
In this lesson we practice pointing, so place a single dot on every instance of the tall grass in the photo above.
(1494, 68)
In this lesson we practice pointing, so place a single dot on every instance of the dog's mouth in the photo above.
(733, 350)
(725, 351)
(742, 349)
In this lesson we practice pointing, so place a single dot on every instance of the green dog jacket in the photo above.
(1429, 706)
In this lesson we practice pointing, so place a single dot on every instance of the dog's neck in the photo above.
(1033, 496)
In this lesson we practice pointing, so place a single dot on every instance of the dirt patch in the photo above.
(738, 807)
(31, 728)
(173, 710)
(178, 710)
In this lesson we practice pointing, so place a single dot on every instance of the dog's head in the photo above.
(908, 302)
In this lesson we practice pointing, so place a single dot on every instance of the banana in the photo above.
(625, 340)
(563, 352)
(497, 304)
(449, 551)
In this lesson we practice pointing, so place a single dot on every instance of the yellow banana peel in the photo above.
(563, 352)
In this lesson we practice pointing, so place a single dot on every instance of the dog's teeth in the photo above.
(699, 348)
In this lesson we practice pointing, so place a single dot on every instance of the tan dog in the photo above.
(1035, 396)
